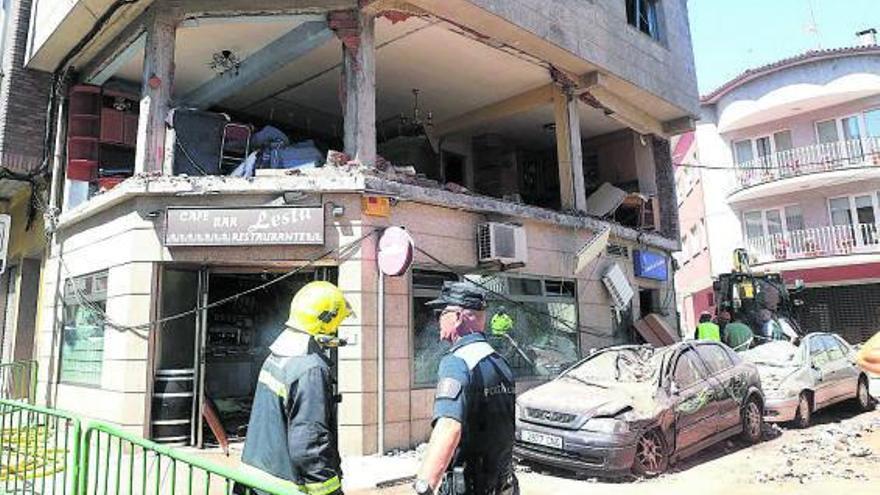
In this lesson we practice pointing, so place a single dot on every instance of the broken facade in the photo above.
(447, 116)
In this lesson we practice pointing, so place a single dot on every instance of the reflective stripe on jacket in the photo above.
(292, 432)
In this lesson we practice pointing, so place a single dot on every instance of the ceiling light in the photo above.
(225, 61)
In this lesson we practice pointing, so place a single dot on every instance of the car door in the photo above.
(725, 381)
(693, 400)
(821, 372)
(844, 376)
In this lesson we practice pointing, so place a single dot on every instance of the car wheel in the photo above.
(753, 421)
(863, 395)
(652, 458)
(804, 414)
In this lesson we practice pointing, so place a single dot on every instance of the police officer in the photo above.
(471, 446)
(292, 435)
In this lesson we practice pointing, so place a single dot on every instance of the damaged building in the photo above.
(214, 156)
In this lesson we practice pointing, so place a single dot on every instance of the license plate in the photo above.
(544, 439)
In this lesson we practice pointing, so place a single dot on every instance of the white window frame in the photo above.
(864, 121)
(838, 124)
(753, 142)
(851, 199)
(764, 225)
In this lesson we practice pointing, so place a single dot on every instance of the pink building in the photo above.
(788, 166)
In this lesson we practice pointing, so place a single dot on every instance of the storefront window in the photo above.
(544, 337)
(82, 347)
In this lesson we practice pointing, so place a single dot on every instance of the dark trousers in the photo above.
(509, 485)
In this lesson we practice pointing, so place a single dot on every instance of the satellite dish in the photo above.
(395, 251)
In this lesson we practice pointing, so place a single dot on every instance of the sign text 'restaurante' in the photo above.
(244, 226)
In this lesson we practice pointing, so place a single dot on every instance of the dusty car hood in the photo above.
(775, 361)
(587, 401)
(774, 376)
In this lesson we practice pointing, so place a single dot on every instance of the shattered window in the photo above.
(715, 357)
(542, 342)
(428, 349)
(687, 370)
(544, 339)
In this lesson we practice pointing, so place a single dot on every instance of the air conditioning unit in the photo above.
(501, 243)
(618, 286)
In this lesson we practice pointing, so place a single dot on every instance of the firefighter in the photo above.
(471, 446)
(292, 434)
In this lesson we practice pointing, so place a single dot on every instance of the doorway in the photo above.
(209, 361)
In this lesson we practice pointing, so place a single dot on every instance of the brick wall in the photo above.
(23, 96)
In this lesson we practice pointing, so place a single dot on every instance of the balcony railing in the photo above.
(817, 242)
(807, 160)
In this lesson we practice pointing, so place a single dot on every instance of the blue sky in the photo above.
(732, 36)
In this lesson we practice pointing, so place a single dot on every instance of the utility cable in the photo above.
(146, 326)
(574, 328)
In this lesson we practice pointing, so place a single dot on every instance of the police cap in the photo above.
(462, 294)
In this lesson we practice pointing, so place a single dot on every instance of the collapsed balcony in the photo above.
(263, 96)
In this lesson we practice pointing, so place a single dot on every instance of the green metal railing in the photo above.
(115, 462)
(18, 381)
(39, 449)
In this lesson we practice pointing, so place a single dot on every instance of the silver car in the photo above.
(798, 380)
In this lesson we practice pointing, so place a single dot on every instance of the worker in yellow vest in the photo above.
(869, 355)
(706, 330)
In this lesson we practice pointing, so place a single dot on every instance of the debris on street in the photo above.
(835, 451)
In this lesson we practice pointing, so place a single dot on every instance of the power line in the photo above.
(521, 305)
(197, 309)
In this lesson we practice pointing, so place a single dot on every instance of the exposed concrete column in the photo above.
(356, 29)
(568, 150)
(158, 82)
(665, 178)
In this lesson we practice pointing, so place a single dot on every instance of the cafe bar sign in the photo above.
(257, 226)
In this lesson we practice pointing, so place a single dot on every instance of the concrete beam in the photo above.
(117, 52)
(597, 87)
(520, 103)
(568, 150)
(236, 7)
(679, 126)
(357, 29)
(284, 50)
(157, 84)
(111, 68)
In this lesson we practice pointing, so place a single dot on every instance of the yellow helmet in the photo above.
(318, 309)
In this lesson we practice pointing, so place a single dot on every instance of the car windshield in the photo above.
(626, 365)
(779, 353)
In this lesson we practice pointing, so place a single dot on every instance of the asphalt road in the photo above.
(840, 454)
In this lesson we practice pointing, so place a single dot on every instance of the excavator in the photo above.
(760, 300)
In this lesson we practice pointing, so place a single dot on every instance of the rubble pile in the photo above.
(825, 452)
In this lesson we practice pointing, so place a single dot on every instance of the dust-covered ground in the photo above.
(839, 454)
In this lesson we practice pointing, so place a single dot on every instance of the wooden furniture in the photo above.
(101, 136)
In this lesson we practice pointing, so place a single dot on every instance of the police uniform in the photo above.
(477, 389)
(292, 434)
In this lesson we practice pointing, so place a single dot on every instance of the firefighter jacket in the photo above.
(476, 388)
(292, 434)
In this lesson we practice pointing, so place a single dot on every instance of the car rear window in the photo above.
(835, 350)
(715, 357)
(687, 369)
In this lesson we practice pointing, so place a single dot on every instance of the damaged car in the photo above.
(637, 409)
(799, 380)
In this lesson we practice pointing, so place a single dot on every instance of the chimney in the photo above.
(867, 37)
